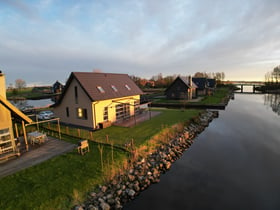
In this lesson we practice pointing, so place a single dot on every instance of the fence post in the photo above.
(79, 133)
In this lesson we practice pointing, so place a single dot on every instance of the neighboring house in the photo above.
(95, 100)
(201, 84)
(181, 88)
(205, 86)
(57, 87)
(211, 86)
(7, 111)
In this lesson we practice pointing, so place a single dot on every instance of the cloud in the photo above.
(143, 38)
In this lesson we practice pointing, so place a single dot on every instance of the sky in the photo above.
(42, 41)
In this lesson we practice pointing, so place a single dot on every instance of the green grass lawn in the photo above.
(58, 183)
(144, 131)
(216, 98)
(63, 181)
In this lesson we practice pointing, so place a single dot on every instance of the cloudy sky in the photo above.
(42, 41)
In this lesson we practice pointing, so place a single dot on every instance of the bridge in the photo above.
(253, 84)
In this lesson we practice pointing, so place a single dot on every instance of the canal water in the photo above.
(233, 164)
(32, 103)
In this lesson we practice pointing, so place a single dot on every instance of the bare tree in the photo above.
(20, 83)
(276, 73)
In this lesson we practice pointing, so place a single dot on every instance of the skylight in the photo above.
(101, 90)
(127, 87)
(114, 88)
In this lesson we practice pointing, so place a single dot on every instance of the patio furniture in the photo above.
(37, 137)
(83, 147)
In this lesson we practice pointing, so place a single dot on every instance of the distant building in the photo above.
(205, 86)
(57, 87)
(211, 86)
(95, 100)
(201, 84)
(181, 88)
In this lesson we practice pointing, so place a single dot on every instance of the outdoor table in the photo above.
(37, 137)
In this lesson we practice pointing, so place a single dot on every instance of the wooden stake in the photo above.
(24, 135)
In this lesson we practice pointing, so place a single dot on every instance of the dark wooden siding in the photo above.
(178, 90)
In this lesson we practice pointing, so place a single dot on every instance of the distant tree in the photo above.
(19, 84)
(276, 73)
(10, 87)
(201, 75)
(97, 71)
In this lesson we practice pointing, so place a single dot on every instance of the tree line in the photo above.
(273, 77)
(160, 81)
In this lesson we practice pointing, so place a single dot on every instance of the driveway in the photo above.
(51, 148)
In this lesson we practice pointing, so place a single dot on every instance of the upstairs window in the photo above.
(114, 88)
(101, 90)
(76, 94)
(127, 87)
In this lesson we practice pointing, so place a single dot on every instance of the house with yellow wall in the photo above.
(7, 112)
(96, 100)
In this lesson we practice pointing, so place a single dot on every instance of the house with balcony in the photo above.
(96, 100)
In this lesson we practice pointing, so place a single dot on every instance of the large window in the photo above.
(137, 107)
(82, 113)
(122, 111)
(105, 114)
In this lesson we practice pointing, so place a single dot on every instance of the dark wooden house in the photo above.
(182, 88)
(57, 87)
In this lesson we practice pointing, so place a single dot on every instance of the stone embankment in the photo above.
(146, 171)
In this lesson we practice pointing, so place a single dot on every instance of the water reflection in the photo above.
(29, 104)
(273, 101)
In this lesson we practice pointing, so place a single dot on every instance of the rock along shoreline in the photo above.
(146, 171)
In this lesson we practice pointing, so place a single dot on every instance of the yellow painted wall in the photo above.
(95, 109)
(98, 108)
(5, 114)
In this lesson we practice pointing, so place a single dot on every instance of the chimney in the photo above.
(190, 84)
(190, 81)
(2, 85)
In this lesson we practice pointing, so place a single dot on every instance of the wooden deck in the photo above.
(51, 148)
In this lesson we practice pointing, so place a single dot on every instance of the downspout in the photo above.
(94, 115)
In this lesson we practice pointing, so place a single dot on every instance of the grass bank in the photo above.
(29, 93)
(64, 181)
(217, 98)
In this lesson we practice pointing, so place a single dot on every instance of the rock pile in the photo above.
(146, 171)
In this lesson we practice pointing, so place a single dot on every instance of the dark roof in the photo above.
(200, 82)
(185, 80)
(112, 85)
(57, 83)
(211, 83)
